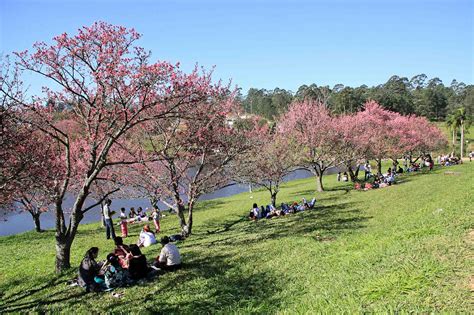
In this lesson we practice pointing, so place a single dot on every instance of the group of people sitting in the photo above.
(271, 211)
(449, 160)
(379, 180)
(124, 266)
(139, 216)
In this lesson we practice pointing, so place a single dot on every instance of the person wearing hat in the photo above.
(169, 258)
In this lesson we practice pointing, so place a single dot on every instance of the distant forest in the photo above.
(419, 95)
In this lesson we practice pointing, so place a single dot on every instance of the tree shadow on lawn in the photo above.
(210, 204)
(26, 237)
(23, 300)
(329, 220)
(220, 285)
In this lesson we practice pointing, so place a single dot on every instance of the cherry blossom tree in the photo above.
(385, 134)
(417, 136)
(196, 153)
(110, 88)
(15, 157)
(271, 159)
(310, 125)
(36, 195)
(146, 180)
(377, 135)
(351, 149)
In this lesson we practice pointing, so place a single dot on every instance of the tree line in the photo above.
(419, 95)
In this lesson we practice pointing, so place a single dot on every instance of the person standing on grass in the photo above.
(123, 223)
(108, 219)
(156, 215)
(367, 170)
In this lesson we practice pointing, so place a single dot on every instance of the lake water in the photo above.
(14, 222)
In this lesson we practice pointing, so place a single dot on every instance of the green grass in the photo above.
(402, 248)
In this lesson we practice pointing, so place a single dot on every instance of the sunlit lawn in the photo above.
(401, 248)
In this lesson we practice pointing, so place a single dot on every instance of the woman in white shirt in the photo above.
(147, 237)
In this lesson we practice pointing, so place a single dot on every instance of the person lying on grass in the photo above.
(169, 259)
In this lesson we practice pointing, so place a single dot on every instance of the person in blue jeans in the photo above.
(108, 219)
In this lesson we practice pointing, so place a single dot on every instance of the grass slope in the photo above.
(402, 248)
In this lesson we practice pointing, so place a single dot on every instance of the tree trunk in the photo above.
(187, 230)
(379, 166)
(274, 198)
(462, 139)
(353, 176)
(181, 218)
(63, 253)
(319, 183)
(36, 220)
(356, 174)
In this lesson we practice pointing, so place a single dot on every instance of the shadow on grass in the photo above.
(329, 220)
(222, 287)
(25, 299)
(213, 203)
(26, 236)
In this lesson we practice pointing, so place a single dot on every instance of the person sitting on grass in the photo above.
(345, 177)
(390, 178)
(137, 265)
(169, 259)
(376, 182)
(115, 276)
(254, 213)
(88, 270)
(142, 214)
(121, 251)
(147, 237)
(132, 213)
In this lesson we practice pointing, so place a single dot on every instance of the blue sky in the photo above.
(268, 44)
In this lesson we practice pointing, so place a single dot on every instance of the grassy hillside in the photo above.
(401, 248)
